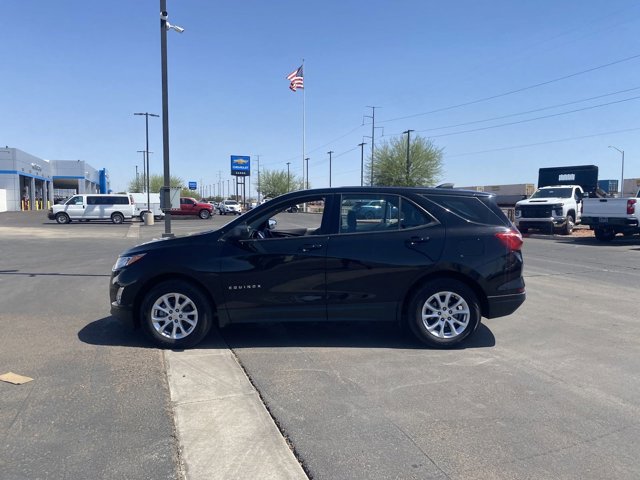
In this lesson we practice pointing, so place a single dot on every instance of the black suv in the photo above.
(435, 259)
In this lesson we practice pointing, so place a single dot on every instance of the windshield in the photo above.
(553, 193)
(231, 202)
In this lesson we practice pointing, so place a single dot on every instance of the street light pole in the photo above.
(164, 26)
(361, 145)
(408, 132)
(622, 172)
(146, 122)
(330, 152)
(306, 160)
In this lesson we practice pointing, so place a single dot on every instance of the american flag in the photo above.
(296, 78)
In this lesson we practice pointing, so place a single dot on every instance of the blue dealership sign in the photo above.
(240, 165)
(193, 185)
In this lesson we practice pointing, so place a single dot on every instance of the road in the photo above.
(549, 392)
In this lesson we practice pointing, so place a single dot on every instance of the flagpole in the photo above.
(304, 89)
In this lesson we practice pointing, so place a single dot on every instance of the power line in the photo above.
(527, 120)
(514, 147)
(518, 90)
(474, 122)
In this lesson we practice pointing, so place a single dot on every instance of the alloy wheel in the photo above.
(445, 315)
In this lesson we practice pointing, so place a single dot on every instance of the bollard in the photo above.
(148, 218)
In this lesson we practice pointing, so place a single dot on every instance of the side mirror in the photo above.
(239, 232)
(272, 223)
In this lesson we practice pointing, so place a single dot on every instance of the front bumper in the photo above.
(51, 216)
(121, 304)
(540, 222)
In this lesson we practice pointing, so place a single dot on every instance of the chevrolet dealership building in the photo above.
(31, 183)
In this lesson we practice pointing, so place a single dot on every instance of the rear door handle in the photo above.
(311, 246)
(416, 240)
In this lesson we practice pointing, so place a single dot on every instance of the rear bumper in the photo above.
(502, 305)
(610, 221)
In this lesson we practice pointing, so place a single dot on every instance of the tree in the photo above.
(275, 182)
(392, 169)
(155, 182)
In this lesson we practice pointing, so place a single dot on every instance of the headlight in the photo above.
(558, 206)
(518, 212)
(126, 261)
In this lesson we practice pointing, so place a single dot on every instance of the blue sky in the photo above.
(74, 72)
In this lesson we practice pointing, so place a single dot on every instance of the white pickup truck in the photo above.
(550, 208)
(610, 216)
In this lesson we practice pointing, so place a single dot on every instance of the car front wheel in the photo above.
(204, 214)
(443, 312)
(568, 226)
(62, 218)
(175, 314)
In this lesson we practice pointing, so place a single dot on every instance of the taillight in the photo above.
(510, 239)
(631, 206)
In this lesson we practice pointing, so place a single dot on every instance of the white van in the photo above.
(95, 206)
(140, 205)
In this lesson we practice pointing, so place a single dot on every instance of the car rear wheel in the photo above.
(117, 218)
(605, 234)
(204, 214)
(443, 312)
(62, 218)
(175, 314)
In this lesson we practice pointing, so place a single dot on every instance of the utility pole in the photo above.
(408, 132)
(258, 190)
(137, 181)
(373, 136)
(144, 169)
(361, 145)
(288, 178)
(306, 160)
(330, 152)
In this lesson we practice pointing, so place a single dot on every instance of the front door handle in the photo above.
(416, 240)
(311, 246)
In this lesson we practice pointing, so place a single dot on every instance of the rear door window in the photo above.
(482, 210)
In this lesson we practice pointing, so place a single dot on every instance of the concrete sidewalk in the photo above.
(224, 430)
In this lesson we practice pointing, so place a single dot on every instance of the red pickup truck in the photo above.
(191, 206)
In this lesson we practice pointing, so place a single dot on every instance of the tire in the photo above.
(436, 325)
(568, 225)
(117, 218)
(159, 306)
(62, 218)
(204, 214)
(604, 234)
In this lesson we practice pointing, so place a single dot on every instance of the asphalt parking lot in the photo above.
(549, 392)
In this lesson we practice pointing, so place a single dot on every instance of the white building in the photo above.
(31, 183)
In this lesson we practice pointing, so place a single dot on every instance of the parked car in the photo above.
(191, 206)
(374, 209)
(140, 205)
(96, 206)
(443, 260)
(231, 207)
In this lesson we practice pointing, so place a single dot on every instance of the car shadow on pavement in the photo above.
(618, 241)
(332, 334)
(109, 331)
